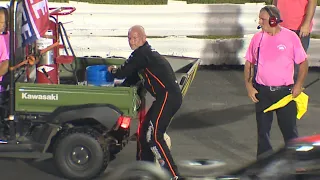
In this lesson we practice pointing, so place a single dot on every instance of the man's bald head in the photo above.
(138, 29)
(136, 36)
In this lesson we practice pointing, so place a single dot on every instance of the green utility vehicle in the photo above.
(82, 126)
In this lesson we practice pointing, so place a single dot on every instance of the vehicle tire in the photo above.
(140, 170)
(81, 153)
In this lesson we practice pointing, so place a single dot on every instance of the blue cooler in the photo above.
(98, 75)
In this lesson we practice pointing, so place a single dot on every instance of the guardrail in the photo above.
(211, 52)
(91, 26)
(174, 19)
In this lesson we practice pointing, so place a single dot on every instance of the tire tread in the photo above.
(92, 133)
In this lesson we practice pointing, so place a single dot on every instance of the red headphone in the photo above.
(273, 20)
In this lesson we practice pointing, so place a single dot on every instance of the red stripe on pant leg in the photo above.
(150, 83)
(155, 135)
(155, 77)
(138, 141)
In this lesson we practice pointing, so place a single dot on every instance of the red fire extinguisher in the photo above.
(47, 70)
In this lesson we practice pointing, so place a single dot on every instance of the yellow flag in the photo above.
(301, 100)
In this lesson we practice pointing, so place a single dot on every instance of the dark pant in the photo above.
(151, 143)
(3, 95)
(2, 113)
(305, 41)
(286, 117)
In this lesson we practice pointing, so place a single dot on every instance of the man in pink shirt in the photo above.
(4, 55)
(4, 43)
(268, 73)
(297, 15)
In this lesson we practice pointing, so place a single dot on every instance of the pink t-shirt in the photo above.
(277, 56)
(4, 50)
(292, 13)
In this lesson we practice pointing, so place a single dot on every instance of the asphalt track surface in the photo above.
(215, 122)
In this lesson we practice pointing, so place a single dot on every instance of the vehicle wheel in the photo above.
(81, 153)
(139, 171)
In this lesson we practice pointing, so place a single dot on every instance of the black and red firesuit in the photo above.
(159, 80)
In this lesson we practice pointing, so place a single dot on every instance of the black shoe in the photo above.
(3, 138)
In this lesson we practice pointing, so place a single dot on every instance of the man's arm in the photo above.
(248, 74)
(248, 77)
(133, 79)
(302, 74)
(132, 65)
(250, 58)
(4, 66)
(311, 8)
(298, 87)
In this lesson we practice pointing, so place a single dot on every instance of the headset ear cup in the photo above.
(273, 21)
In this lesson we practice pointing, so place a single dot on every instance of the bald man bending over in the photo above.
(159, 80)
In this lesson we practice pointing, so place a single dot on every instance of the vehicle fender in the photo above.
(106, 114)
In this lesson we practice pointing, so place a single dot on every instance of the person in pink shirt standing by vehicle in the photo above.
(268, 72)
(4, 44)
(4, 57)
(297, 15)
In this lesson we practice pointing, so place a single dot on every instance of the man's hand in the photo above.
(304, 30)
(111, 67)
(252, 93)
(296, 90)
